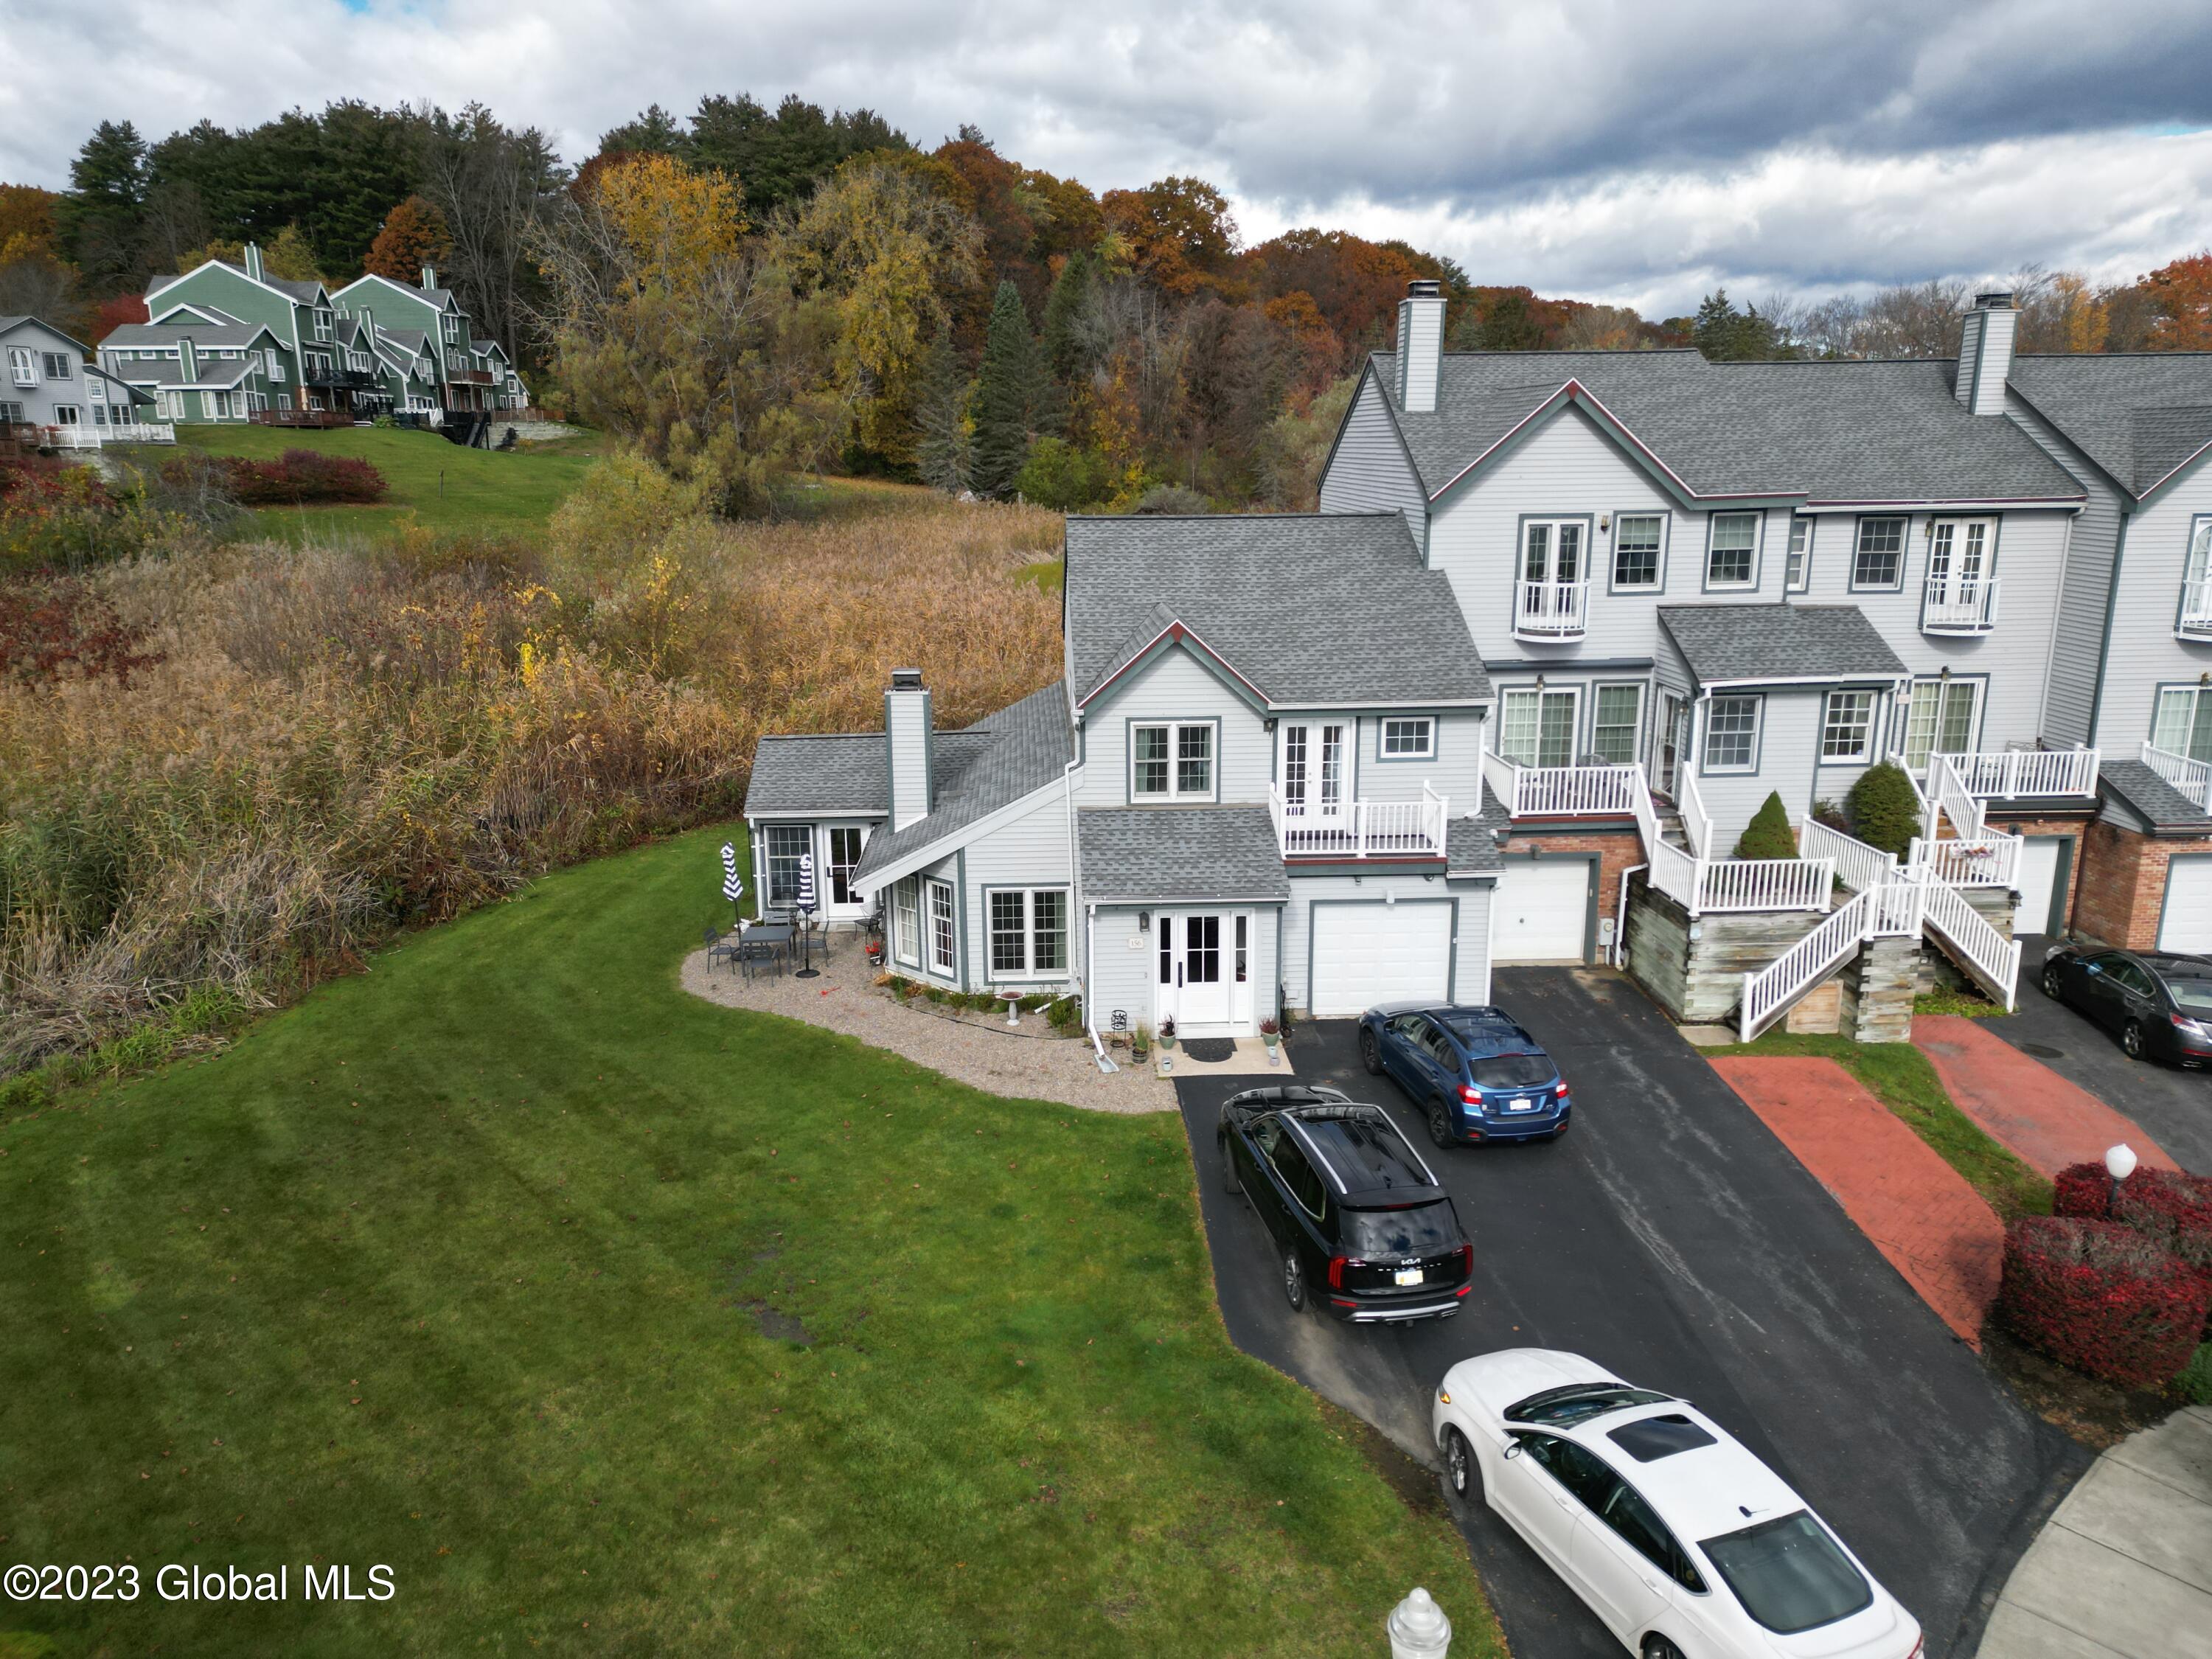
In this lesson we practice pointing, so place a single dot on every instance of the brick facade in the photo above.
(1618, 850)
(2078, 828)
(2123, 884)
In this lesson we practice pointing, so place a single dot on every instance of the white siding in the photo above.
(2078, 638)
(1029, 851)
(1471, 977)
(1369, 472)
(2144, 652)
(1789, 741)
(1173, 686)
(1123, 973)
(907, 718)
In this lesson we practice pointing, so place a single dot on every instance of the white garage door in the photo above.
(1364, 954)
(2037, 882)
(1542, 906)
(2186, 924)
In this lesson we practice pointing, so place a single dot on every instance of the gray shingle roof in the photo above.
(1471, 843)
(2156, 801)
(1829, 431)
(847, 772)
(2137, 416)
(205, 336)
(1723, 642)
(9, 323)
(1309, 607)
(1177, 854)
(982, 768)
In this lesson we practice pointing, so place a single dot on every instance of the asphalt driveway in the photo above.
(2173, 1106)
(1673, 1238)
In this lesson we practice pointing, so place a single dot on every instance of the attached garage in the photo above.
(1365, 952)
(2186, 922)
(2041, 884)
(1543, 909)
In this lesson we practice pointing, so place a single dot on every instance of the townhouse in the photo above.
(52, 386)
(1563, 623)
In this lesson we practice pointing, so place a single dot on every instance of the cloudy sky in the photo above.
(1634, 153)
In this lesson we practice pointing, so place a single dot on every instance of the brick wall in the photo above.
(2123, 883)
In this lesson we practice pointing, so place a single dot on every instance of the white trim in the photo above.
(906, 863)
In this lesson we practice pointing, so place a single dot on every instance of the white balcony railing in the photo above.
(2009, 774)
(1959, 605)
(1551, 610)
(1992, 958)
(1952, 799)
(1562, 792)
(2195, 621)
(141, 432)
(1765, 884)
(2193, 778)
(1987, 860)
(1858, 866)
(1360, 829)
(1697, 823)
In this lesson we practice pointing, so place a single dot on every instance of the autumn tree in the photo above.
(414, 236)
(1177, 233)
(2181, 294)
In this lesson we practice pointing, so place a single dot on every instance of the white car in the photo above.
(1681, 1541)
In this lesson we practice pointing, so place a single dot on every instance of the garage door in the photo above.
(2187, 923)
(1364, 954)
(2036, 883)
(1542, 909)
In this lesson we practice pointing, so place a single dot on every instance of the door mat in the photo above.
(1212, 1050)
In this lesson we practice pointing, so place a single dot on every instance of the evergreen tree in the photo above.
(1885, 810)
(942, 454)
(1009, 396)
(1727, 334)
(1768, 835)
(654, 132)
(1067, 354)
(99, 216)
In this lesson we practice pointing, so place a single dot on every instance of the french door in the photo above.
(1941, 720)
(1958, 571)
(1537, 728)
(1317, 790)
(1204, 978)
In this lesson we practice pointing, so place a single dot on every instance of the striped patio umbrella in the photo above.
(806, 883)
(734, 886)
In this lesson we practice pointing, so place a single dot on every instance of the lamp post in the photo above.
(2120, 1165)
(1417, 1628)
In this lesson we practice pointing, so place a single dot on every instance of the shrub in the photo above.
(1063, 478)
(1173, 500)
(1884, 809)
(2082, 1190)
(2175, 1210)
(1768, 835)
(2102, 1299)
(62, 517)
(1831, 814)
(298, 477)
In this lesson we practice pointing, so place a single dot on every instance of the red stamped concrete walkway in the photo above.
(1917, 1210)
(2021, 1102)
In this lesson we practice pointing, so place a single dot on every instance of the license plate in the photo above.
(1526, 1105)
(1408, 1275)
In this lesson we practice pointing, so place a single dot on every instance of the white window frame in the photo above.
(1861, 718)
(1620, 522)
(68, 415)
(1425, 749)
(1797, 573)
(1859, 551)
(1635, 724)
(1749, 766)
(275, 365)
(57, 365)
(768, 892)
(1176, 731)
(943, 920)
(1508, 695)
(1025, 899)
(1750, 579)
(1581, 526)
(11, 411)
(1929, 693)
(906, 920)
(23, 365)
(2192, 698)
(322, 329)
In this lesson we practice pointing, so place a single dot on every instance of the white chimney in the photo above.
(253, 260)
(188, 362)
(1985, 353)
(429, 278)
(1420, 346)
(908, 731)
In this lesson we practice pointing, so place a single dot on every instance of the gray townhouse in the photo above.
(1563, 622)
(53, 384)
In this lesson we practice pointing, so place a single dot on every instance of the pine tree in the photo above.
(1065, 352)
(1768, 835)
(942, 452)
(1009, 396)
(99, 216)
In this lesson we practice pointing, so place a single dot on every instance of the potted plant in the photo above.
(1167, 1033)
(1140, 1043)
(1271, 1034)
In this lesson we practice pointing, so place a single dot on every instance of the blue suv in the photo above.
(1473, 1072)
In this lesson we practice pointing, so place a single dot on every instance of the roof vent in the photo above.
(1425, 287)
(2002, 300)
(906, 679)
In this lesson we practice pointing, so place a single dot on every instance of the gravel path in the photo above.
(977, 1050)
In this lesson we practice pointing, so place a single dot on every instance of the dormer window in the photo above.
(1171, 762)
(322, 325)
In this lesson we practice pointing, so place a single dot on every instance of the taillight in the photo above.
(1473, 1096)
(1560, 1093)
(1467, 1259)
(1336, 1272)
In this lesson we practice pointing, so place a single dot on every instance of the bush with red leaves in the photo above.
(2173, 1208)
(2082, 1190)
(2101, 1297)
(304, 478)
(59, 626)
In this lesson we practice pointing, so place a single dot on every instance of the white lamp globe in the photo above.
(2120, 1161)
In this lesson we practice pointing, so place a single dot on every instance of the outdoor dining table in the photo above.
(779, 934)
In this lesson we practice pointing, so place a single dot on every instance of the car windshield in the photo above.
(1789, 1575)
(1414, 1231)
(1511, 1071)
(1580, 1402)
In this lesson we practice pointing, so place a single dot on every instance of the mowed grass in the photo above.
(1902, 1078)
(615, 1322)
(447, 489)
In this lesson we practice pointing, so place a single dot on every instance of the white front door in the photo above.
(1369, 952)
(2036, 883)
(2187, 923)
(1204, 971)
(1543, 909)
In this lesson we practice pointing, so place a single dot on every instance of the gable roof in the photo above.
(1180, 854)
(1848, 431)
(2157, 802)
(205, 336)
(9, 325)
(439, 299)
(2140, 417)
(1312, 609)
(199, 313)
(298, 292)
(1737, 644)
(978, 769)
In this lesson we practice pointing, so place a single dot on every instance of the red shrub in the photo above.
(2081, 1189)
(49, 627)
(302, 477)
(2173, 1208)
(2102, 1299)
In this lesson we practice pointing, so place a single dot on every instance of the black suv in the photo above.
(2159, 1001)
(1361, 1225)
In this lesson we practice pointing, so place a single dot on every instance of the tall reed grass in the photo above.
(338, 742)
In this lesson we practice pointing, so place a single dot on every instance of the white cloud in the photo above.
(1638, 154)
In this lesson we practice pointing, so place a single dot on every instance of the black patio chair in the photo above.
(754, 953)
(717, 947)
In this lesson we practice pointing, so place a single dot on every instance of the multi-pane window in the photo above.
(906, 921)
(275, 366)
(1172, 762)
(57, 366)
(2183, 722)
(1730, 560)
(1847, 727)
(1537, 728)
(1732, 734)
(1613, 731)
(22, 366)
(786, 844)
(1879, 559)
(844, 853)
(1029, 933)
(1940, 720)
(1635, 549)
(943, 952)
(1410, 738)
(1799, 577)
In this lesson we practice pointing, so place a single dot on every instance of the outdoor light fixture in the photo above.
(2119, 1163)
(1540, 685)
(1605, 521)
(1143, 921)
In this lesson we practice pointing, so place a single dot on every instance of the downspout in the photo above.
(1090, 909)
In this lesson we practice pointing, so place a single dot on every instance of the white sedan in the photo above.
(1685, 1545)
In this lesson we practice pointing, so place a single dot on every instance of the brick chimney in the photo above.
(1420, 345)
(1985, 353)
(253, 260)
(909, 732)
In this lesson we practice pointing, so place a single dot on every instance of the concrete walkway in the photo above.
(2021, 1102)
(2123, 1570)
(1913, 1207)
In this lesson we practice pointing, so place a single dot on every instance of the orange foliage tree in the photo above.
(2183, 294)
(414, 236)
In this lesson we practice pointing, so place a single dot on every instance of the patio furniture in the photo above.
(751, 953)
(766, 942)
(718, 946)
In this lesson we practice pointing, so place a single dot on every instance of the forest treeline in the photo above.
(749, 291)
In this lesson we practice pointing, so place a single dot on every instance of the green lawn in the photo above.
(1900, 1076)
(491, 1264)
(448, 488)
